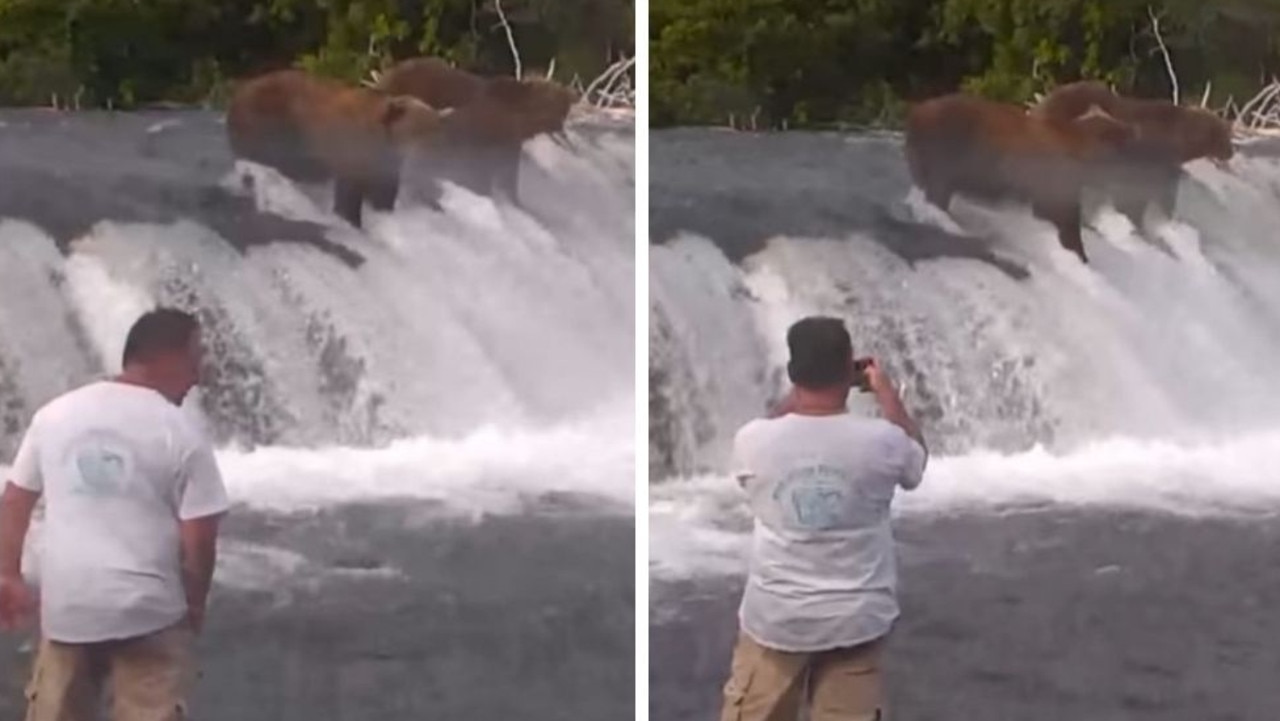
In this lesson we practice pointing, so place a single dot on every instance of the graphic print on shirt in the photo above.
(824, 497)
(814, 497)
(101, 465)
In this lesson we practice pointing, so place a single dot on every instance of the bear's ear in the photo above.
(395, 109)
(1131, 131)
(397, 106)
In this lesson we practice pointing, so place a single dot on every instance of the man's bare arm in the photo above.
(17, 505)
(199, 556)
(891, 405)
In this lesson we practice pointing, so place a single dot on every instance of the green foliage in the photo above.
(126, 53)
(819, 62)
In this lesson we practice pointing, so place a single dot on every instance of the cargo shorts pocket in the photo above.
(853, 692)
(742, 671)
(33, 683)
(35, 688)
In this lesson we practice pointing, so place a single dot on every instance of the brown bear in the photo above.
(314, 129)
(492, 118)
(988, 150)
(1167, 136)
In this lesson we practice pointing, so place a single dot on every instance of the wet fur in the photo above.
(1167, 136)
(492, 119)
(961, 144)
(314, 130)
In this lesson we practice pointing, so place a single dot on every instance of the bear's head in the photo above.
(534, 106)
(1202, 134)
(409, 121)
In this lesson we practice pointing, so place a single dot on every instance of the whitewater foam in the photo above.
(1174, 343)
(1144, 380)
(480, 355)
(700, 525)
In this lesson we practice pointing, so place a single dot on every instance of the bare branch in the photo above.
(1252, 110)
(1259, 116)
(511, 38)
(601, 91)
(1208, 89)
(1168, 61)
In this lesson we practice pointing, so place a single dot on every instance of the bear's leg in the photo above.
(939, 194)
(937, 190)
(1165, 192)
(382, 193)
(506, 174)
(432, 193)
(1132, 203)
(348, 201)
(1066, 218)
(1135, 191)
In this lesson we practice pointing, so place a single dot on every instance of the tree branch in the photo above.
(603, 87)
(511, 39)
(1168, 61)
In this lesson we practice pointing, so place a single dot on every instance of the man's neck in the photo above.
(825, 402)
(135, 376)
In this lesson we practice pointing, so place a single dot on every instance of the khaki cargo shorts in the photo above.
(843, 684)
(146, 678)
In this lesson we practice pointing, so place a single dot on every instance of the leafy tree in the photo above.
(818, 62)
(125, 53)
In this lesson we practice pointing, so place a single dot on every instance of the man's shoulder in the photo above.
(92, 392)
(97, 401)
(67, 400)
(755, 429)
(880, 428)
(841, 429)
(752, 426)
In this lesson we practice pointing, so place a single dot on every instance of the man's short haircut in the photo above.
(820, 352)
(159, 331)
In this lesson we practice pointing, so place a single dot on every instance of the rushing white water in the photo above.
(479, 355)
(1144, 380)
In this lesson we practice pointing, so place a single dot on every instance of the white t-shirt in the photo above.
(119, 466)
(822, 572)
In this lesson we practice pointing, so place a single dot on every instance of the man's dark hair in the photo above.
(159, 331)
(820, 351)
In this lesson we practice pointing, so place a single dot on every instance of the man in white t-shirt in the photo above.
(133, 498)
(820, 598)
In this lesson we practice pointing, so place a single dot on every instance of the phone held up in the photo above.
(860, 380)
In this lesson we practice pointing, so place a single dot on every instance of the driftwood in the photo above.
(612, 88)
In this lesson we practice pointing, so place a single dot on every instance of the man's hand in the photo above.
(785, 406)
(877, 380)
(16, 600)
(199, 556)
(887, 398)
(16, 603)
(861, 370)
